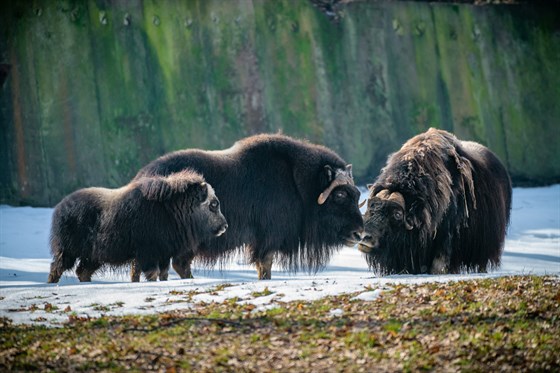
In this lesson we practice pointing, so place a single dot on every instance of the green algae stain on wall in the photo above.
(97, 89)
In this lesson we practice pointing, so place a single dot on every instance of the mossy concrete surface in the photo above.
(93, 90)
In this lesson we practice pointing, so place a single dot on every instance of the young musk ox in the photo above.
(281, 196)
(440, 205)
(149, 220)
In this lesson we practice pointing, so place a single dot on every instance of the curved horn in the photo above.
(398, 198)
(394, 196)
(323, 196)
(383, 194)
(341, 178)
(361, 204)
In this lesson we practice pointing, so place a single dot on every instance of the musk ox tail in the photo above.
(64, 256)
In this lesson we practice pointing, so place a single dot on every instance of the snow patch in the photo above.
(369, 295)
(532, 247)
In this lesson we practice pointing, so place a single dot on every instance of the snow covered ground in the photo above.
(532, 247)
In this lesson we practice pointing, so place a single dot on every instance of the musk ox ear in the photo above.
(155, 188)
(408, 223)
(330, 173)
(349, 170)
(200, 192)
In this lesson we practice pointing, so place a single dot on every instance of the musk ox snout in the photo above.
(368, 243)
(222, 230)
(372, 235)
(355, 236)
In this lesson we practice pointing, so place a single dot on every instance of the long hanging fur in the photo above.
(458, 200)
(269, 186)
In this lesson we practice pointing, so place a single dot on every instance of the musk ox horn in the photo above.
(362, 203)
(398, 198)
(394, 196)
(341, 178)
(383, 194)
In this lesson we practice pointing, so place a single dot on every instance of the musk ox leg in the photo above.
(135, 271)
(440, 265)
(264, 267)
(60, 264)
(85, 269)
(483, 268)
(182, 265)
(149, 267)
(152, 274)
(164, 270)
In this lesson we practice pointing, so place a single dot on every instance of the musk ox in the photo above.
(148, 220)
(282, 198)
(440, 205)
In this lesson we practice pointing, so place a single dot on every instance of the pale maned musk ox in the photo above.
(149, 220)
(440, 205)
(281, 196)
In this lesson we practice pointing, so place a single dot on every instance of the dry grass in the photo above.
(505, 324)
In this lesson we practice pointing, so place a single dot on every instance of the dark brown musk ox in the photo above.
(282, 198)
(440, 205)
(148, 221)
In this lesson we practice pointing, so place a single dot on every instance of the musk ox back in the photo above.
(282, 197)
(439, 205)
(148, 220)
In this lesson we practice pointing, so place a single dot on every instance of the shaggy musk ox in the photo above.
(281, 197)
(148, 220)
(440, 205)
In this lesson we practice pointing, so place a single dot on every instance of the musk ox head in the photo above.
(391, 238)
(338, 206)
(190, 199)
(385, 218)
(207, 214)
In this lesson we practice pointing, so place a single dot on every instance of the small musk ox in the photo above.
(148, 220)
(281, 197)
(440, 205)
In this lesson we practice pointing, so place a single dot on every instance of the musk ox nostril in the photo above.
(222, 230)
(357, 236)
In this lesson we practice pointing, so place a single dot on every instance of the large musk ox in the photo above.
(440, 205)
(148, 221)
(282, 198)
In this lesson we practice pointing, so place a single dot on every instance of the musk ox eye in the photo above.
(341, 194)
(214, 204)
(398, 215)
